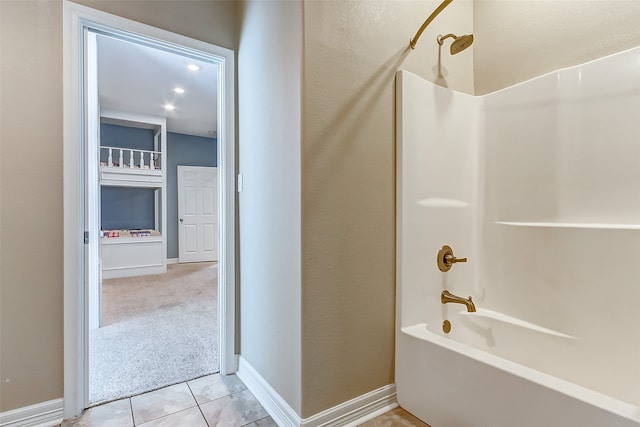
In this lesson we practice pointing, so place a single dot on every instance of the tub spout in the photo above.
(447, 297)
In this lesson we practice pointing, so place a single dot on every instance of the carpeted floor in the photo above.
(156, 330)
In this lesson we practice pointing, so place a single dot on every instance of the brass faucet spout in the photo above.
(447, 297)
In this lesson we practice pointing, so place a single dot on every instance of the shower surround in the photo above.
(539, 186)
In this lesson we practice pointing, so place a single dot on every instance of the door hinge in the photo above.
(86, 237)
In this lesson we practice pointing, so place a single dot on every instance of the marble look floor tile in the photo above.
(215, 386)
(395, 418)
(238, 409)
(114, 414)
(265, 422)
(157, 404)
(191, 417)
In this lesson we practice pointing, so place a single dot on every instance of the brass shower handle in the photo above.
(446, 259)
(450, 259)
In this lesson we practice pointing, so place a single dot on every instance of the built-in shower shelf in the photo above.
(599, 226)
(438, 202)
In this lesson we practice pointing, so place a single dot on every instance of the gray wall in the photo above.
(183, 150)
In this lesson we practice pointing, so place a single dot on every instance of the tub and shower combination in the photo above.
(538, 186)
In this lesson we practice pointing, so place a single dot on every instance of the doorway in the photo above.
(152, 324)
(80, 165)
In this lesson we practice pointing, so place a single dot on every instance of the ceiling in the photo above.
(139, 79)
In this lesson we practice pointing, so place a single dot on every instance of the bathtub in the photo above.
(471, 376)
(536, 185)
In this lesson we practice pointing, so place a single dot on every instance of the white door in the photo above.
(197, 214)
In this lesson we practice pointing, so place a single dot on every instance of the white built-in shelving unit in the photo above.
(135, 252)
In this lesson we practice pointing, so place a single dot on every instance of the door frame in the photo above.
(181, 234)
(76, 20)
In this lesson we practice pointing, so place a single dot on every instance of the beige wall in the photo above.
(31, 217)
(212, 21)
(351, 53)
(340, 313)
(520, 39)
(269, 71)
(31, 203)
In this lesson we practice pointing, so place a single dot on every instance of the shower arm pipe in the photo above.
(424, 25)
(441, 38)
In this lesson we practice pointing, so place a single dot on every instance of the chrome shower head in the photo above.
(459, 43)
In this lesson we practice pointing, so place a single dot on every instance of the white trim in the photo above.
(45, 414)
(227, 216)
(283, 414)
(74, 330)
(348, 414)
(76, 18)
(172, 261)
(356, 411)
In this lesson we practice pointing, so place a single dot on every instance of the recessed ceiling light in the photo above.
(169, 107)
(178, 90)
(194, 67)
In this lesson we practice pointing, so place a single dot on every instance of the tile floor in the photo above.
(395, 418)
(214, 400)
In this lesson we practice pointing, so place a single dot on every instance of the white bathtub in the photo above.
(537, 186)
(463, 378)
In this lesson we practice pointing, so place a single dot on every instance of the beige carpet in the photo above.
(156, 330)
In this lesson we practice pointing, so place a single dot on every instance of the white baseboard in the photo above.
(348, 414)
(271, 401)
(172, 261)
(45, 414)
(356, 411)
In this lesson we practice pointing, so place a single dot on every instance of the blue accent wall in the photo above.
(125, 208)
(183, 150)
(126, 137)
(134, 207)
